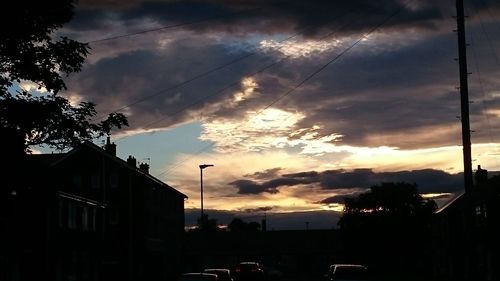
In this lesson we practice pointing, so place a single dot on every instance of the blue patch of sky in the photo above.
(251, 43)
(160, 149)
(15, 89)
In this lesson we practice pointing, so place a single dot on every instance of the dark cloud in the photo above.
(270, 186)
(266, 174)
(251, 187)
(259, 210)
(147, 80)
(428, 181)
(269, 16)
(397, 94)
(339, 199)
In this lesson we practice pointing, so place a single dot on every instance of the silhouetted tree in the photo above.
(207, 224)
(29, 52)
(238, 225)
(389, 228)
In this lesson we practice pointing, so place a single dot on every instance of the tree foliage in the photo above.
(390, 224)
(52, 120)
(207, 224)
(30, 52)
(238, 225)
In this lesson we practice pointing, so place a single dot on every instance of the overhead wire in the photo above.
(238, 82)
(488, 39)
(206, 73)
(484, 108)
(171, 26)
(301, 83)
(228, 86)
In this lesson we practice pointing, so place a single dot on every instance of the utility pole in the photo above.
(464, 97)
(469, 255)
(202, 218)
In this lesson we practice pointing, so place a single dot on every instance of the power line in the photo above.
(302, 82)
(235, 83)
(208, 72)
(481, 85)
(488, 39)
(165, 27)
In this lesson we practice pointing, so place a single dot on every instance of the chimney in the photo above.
(110, 147)
(144, 167)
(263, 225)
(131, 161)
(481, 175)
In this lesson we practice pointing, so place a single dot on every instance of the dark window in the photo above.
(95, 181)
(72, 215)
(113, 180)
(85, 218)
(76, 180)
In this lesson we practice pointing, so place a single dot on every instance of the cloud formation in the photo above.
(237, 68)
(428, 181)
(273, 16)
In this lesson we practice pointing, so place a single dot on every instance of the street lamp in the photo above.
(203, 166)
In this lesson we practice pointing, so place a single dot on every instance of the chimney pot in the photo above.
(132, 161)
(144, 167)
(481, 175)
(110, 147)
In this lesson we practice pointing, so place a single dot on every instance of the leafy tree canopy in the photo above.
(238, 225)
(29, 52)
(390, 198)
(206, 224)
(390, 224)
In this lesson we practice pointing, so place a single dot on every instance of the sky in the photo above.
(297, 104)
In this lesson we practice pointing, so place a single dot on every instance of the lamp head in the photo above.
(205, 166)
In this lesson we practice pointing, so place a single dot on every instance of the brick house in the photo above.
(89, 215)
(467, 233)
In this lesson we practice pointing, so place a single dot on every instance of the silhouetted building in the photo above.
(467, 236)
(89, 215)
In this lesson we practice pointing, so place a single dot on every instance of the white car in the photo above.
(347, 272)
(223, 274)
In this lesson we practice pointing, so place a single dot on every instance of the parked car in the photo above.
(223, 274)
(198, 277)
(348, 272)
(249, 271)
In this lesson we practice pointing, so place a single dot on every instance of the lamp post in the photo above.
(202, 219)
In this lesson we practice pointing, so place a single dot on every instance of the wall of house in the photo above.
(92, 217)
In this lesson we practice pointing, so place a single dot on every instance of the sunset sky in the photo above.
(298, 104)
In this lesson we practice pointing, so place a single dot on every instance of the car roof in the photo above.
(196, 275)
(347, 265)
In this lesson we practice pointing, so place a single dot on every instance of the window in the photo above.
(62, 211)
(95, 181)
(113, 180)
(85, 218)
(93, 223)
(76, 180)
(71, 215)
(113, 217)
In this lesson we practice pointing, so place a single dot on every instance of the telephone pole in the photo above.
(469, 256)
(464, 97)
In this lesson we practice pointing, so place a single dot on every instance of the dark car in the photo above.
(248, 271)
(222, 273)
(348, 272)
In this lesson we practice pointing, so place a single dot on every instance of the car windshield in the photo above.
(350, 273)
(222, 275)
(249, 266)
